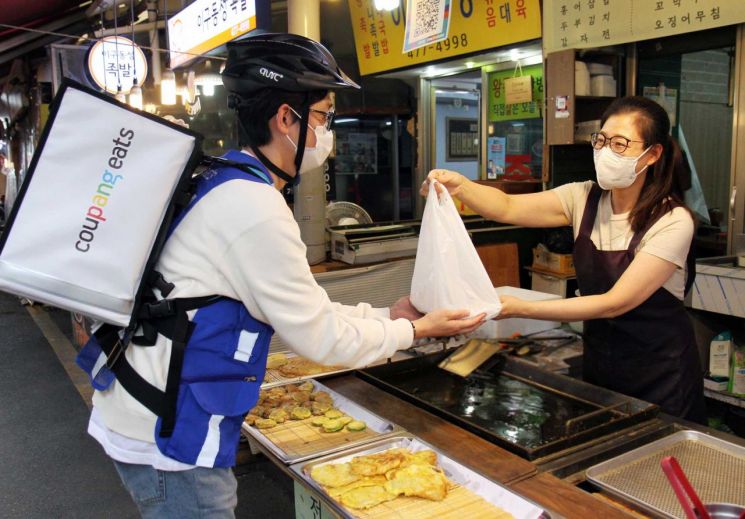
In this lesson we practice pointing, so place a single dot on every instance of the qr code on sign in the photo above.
(428, 17)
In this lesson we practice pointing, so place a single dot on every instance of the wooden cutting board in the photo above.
(299, 438)
(460, 503)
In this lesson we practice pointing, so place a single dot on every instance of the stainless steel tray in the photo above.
(274, 377)
(715, 468)
(380, 426)
(490, 491)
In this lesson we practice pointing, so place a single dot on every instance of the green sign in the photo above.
(499, 110)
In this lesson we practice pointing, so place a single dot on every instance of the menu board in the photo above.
(577, 24)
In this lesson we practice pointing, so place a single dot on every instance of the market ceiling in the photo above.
(59, 16)
(24, 12)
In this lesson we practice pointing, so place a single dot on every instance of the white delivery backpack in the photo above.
(448, 272)
(94, 208)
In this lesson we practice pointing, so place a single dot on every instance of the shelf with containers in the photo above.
(580, 85)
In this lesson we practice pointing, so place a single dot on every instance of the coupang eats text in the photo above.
(95, 214)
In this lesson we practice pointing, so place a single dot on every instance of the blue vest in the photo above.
(224, 360)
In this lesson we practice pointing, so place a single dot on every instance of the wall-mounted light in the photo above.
(387, 5)
(168, 88)
(207, 83)
(207, 89)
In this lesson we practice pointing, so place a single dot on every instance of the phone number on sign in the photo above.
(453, 42)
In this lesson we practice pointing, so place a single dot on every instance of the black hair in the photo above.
(256, 111)
(670, 176)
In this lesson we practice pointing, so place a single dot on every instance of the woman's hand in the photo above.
(511, 307)
(403, 309)
(451, 180)
(444, 323)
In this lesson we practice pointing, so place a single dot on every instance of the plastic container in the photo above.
(604, 86)
(737, 372)
(600, 69)
(581, 79)
(507, 327)
(584, 129)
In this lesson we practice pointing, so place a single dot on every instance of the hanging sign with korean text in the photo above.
(498, 107)
(475, 25)
(205, 25)
(577, 24)
(114, 62)
(518, 90)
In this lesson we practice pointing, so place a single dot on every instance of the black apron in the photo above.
(648, 353)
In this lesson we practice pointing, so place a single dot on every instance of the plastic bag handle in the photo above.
(444, 197)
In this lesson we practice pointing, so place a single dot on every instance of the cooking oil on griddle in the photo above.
(518, 412)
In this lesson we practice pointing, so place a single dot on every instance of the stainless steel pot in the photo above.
(725, 510)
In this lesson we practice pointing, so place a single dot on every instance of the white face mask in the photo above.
(315, 157)
(614, 170)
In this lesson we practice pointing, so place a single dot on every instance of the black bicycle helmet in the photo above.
(286, 62)
(280, 60)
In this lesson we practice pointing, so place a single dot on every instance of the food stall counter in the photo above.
(559, 498)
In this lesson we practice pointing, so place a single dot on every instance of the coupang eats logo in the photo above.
(95, 213)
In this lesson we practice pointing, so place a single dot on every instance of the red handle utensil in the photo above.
(683, 489)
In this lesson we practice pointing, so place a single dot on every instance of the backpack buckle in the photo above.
(158, 309)
(113, 357)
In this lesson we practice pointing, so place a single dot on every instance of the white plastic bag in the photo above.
(448, 272)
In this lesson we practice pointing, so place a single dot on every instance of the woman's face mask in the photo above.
(315, 157)
(614, 170)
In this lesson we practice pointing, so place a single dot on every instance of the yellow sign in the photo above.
(577, 24)
(475, 25)
(205, 25)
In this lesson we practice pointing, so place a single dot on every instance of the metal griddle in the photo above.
(516, 405)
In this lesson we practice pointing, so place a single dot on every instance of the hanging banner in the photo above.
(427, 21)
(498, 107)
(474, 26)
(581, 24)
(205, 25)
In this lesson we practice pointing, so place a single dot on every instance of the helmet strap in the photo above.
(271, 166)
(293, 181)
(304, 122)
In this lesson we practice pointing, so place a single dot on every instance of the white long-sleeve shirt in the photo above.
(241, 241)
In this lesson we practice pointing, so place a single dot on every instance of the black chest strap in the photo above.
(169, 318)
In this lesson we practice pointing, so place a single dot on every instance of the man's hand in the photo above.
(403, 309)
(444, 323)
